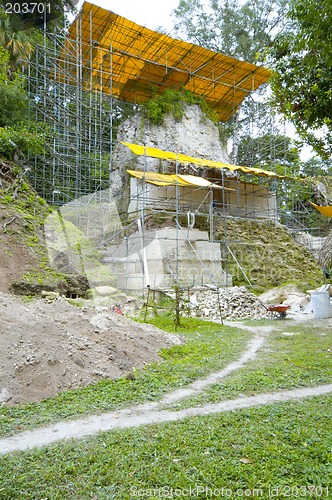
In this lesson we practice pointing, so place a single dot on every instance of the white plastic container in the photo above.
(321, 305)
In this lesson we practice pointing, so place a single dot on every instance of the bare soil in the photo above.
(16, 257)
(46, 348)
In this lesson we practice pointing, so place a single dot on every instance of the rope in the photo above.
(191, 219)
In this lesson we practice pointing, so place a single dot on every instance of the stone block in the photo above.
(105, 291)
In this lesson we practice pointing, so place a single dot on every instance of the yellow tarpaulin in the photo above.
(157, 179)
(198, 181)
(184, 159)
(106, 52)
(173, 180)
(327, 211)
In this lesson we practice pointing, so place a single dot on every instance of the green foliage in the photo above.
(18, 30)
(92, 146)
(17, 43)
(18, 141)
(242, 29)
(315, 166)
(301, 59)
(29, 212)
(268, 254)
(174, 101)
(238, 29)
(269, 151)
(69, 238)
(12, 96)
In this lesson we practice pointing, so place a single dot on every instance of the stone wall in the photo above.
(184, 256)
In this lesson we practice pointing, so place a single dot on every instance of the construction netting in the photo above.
(184, 159)
(111, 54)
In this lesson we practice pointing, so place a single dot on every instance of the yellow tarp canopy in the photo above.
(327, 210)
(173, 180)
(109, 53)
(184, 159)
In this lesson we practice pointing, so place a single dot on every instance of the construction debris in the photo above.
(231, 303)
(287, 294)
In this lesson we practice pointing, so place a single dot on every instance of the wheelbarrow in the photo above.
(278, 310)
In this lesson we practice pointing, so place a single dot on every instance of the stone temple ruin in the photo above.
(180, 252)
(147, 195)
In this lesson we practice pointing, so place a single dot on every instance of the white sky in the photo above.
(149, 13)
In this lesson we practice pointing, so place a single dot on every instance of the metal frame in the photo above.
(77, 114)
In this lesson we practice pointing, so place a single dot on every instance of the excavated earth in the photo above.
(46, 347)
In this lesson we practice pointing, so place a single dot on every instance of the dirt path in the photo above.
(201, 384)
(31, 438)
(150, 412)
(143, 415)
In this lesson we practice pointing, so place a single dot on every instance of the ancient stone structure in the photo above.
(172, 256)
(178, 253)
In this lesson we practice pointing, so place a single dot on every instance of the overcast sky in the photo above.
(149, 13)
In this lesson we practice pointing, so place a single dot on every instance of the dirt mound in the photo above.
(16, 256)
(46, 348)
(28, 240)
(23, 254)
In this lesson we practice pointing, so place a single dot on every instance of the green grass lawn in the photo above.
(294, 355)
(209, 347)
(274, 451)
(286, 446)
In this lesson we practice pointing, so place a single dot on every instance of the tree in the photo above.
(16, 139)
(15, 42)
(19, 32)
(12, 95)
(270, 151)
(302, 62)
(316, 166)
(241, 30)
(30, 15)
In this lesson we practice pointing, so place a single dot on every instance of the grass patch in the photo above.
(294, 355)
(209, 347)
(285, 446)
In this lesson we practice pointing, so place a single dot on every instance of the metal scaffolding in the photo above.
(79, 81)
(77, 124)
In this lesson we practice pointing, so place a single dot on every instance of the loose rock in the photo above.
(231, 303)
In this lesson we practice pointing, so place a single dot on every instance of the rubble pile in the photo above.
(233, 303)
(287, 294)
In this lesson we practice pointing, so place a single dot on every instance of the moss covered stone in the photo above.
(25, 258)
(268, 254)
